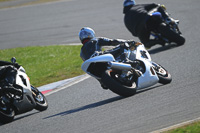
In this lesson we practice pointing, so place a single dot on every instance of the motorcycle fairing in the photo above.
(100, 58)
(148, 78)
(142, 53)
(28, 102)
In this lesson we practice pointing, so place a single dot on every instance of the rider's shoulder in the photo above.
(103, 39)
(95, 39)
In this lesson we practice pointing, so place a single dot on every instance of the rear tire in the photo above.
(116, 86)
(7, 114)
(171, 35)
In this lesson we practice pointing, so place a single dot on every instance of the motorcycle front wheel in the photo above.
(171, 35)
(7, 113)
(40, 99)
(163, 75)
(110, 79)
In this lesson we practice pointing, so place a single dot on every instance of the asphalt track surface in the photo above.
(85, 107)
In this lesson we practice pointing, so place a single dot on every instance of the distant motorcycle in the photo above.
(11, 104)
(119, 76)
(168, 31)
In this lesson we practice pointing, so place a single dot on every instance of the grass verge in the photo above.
(4, 0)
(46, 64)
(27, 3)
(191, 128)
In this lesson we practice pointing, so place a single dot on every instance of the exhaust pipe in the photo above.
(119, 66)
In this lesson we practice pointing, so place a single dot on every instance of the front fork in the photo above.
(35, 91)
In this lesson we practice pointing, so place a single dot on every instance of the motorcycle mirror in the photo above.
(13, 59)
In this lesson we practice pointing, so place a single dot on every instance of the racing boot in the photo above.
(136, 72)
(134, 65)
(102, 85)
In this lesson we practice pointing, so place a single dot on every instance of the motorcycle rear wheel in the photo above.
(7, 114)
(115, 86)
(171, 35)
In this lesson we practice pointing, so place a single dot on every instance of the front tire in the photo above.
(171, 35)
(115, 86)
(41, 102)
(163, 75)
(40, 99)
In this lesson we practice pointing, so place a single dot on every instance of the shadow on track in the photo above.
(97, 104)
(93, 105)
(161, 49)
(23, 116)
(147, 89)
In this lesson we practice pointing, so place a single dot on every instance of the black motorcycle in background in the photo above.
(31, 98)
(168, 31)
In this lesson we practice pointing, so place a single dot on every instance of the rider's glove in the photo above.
(130, 42)
(163, 7)
(133, 44)
(16, 65)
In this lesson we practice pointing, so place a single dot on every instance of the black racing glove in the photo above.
(16, 65)
(133, 44)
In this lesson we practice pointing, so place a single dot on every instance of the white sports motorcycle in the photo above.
(120, 77)
(11, 104)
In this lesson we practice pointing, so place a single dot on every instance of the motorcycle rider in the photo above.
(93, 46)
(8, 73)
(140, 23)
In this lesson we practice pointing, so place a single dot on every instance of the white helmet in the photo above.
(129, 2)
(85, 33)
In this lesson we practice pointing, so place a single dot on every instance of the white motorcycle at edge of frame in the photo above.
(31, 98)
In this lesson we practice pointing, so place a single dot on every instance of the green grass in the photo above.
(191, 128)
(4, 0)
(26, 3)
(47, 64)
